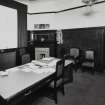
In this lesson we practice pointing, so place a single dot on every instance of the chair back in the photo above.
(74, 52)
(59, 79)
(60, 68)
(89, 54)
(25, 58)
(2, 101)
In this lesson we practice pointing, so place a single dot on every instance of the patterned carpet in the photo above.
(87, 89)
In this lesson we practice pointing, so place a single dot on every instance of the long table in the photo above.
(21, 81)
(18, 82)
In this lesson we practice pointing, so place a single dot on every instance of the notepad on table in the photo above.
(4, 73)
(48, 58)
(39, 63)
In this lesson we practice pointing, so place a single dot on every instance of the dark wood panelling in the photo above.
(44, 31)
(86, 38)
(12, 4)
(24, 50)
(22, 28)
(103, 49)
(81, 38)
(7, 60)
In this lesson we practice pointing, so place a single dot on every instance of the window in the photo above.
(8, 27)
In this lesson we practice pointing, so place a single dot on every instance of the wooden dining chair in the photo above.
(68, 68)
(89, 61)
(58, 82)
(76, 57)
(25, 58)
(74, 52)
(2, 101)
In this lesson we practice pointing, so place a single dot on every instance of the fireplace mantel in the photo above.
(44, 39)
(51, 45)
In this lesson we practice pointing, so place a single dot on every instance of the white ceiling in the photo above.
(35, 6)
(34, 1)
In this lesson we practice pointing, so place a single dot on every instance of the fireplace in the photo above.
(41, 53)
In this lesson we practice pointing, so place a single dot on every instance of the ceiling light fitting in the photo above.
(89, 2)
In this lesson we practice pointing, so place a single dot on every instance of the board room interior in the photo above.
(36, 35)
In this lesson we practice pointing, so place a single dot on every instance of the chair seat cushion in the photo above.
(67, 62)
(88, 64)
(58, 83)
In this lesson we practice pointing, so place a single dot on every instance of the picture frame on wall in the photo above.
(41, 26)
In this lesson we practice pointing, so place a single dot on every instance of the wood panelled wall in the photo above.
(7, 60)
(83, 38)
(87, 38)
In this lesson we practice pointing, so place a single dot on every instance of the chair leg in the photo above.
(82, 69)
(55, 96)
(75, 68)
(2, 101)
(63, 91)
(93, 71)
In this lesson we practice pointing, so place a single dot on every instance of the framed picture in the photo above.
(41, 26)
(36, 26)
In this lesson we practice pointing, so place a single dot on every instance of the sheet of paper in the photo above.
(53, 63)
(13, 69)
(67, 62)
(3, 73)
(44, 70)
(39, 63)
(32, 66)
(48, 58)
(27, 70)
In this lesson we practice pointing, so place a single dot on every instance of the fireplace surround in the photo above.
(41, 53)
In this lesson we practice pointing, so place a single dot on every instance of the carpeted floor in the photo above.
(86, 89)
